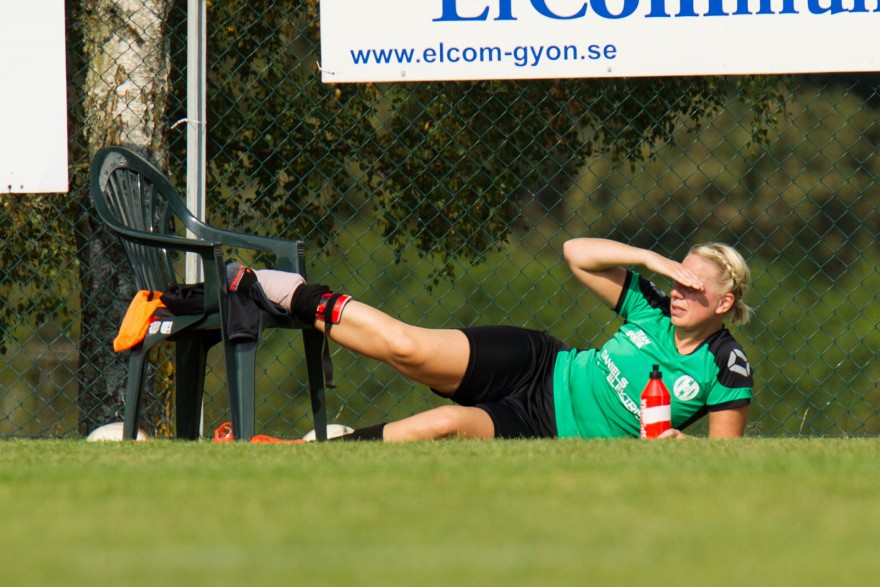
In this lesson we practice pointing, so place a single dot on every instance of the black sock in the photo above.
(306, 298)
(369, 433)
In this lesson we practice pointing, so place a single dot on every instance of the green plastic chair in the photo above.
(141, 207)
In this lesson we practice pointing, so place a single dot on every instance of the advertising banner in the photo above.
(421, 40)
(33, 98)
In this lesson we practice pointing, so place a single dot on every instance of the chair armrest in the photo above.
(168, 241)
(287, 252)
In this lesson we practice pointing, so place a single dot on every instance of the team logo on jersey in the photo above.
(685, 388)
(738, 363)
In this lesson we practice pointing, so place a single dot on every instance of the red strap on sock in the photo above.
(330, 307)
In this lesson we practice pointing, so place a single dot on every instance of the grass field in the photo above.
(755, 511)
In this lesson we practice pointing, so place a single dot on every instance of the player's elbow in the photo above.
(572, 251)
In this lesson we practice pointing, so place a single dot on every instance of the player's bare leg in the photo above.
(437, 358)
(442, 422)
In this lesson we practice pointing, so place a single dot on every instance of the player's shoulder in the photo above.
(650, 293)
(734, 369)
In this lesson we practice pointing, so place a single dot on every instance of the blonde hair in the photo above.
(734, 276)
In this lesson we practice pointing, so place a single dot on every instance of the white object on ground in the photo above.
(112, 432)
(333, 431)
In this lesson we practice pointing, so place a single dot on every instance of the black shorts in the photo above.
(510, 376)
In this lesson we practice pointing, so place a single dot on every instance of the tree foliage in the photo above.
(444, 164)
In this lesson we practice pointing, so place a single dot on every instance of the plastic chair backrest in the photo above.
(133, 196)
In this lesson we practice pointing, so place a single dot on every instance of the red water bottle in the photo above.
(656, 412)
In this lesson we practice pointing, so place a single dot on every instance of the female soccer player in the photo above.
(509, 382)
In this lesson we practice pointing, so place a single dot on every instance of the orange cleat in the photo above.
(224, 434)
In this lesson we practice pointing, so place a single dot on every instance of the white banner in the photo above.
(33, 97)
(420, 40)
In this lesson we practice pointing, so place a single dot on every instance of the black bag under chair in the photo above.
(141, 207)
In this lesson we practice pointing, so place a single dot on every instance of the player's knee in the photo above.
(446, 421)
(404, 351)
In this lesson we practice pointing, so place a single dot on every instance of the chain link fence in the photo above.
(447, 204)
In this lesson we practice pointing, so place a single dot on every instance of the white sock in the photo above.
(279, 285)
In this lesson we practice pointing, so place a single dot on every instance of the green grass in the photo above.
(756, 511)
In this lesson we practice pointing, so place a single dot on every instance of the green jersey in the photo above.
(597, 392)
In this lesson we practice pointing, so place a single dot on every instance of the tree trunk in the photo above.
(126, 92)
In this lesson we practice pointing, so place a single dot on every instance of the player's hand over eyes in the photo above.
(676, 272)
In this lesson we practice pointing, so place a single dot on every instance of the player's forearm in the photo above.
(598, 254)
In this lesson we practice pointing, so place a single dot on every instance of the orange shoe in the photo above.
(224, 434)
(263, 439)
